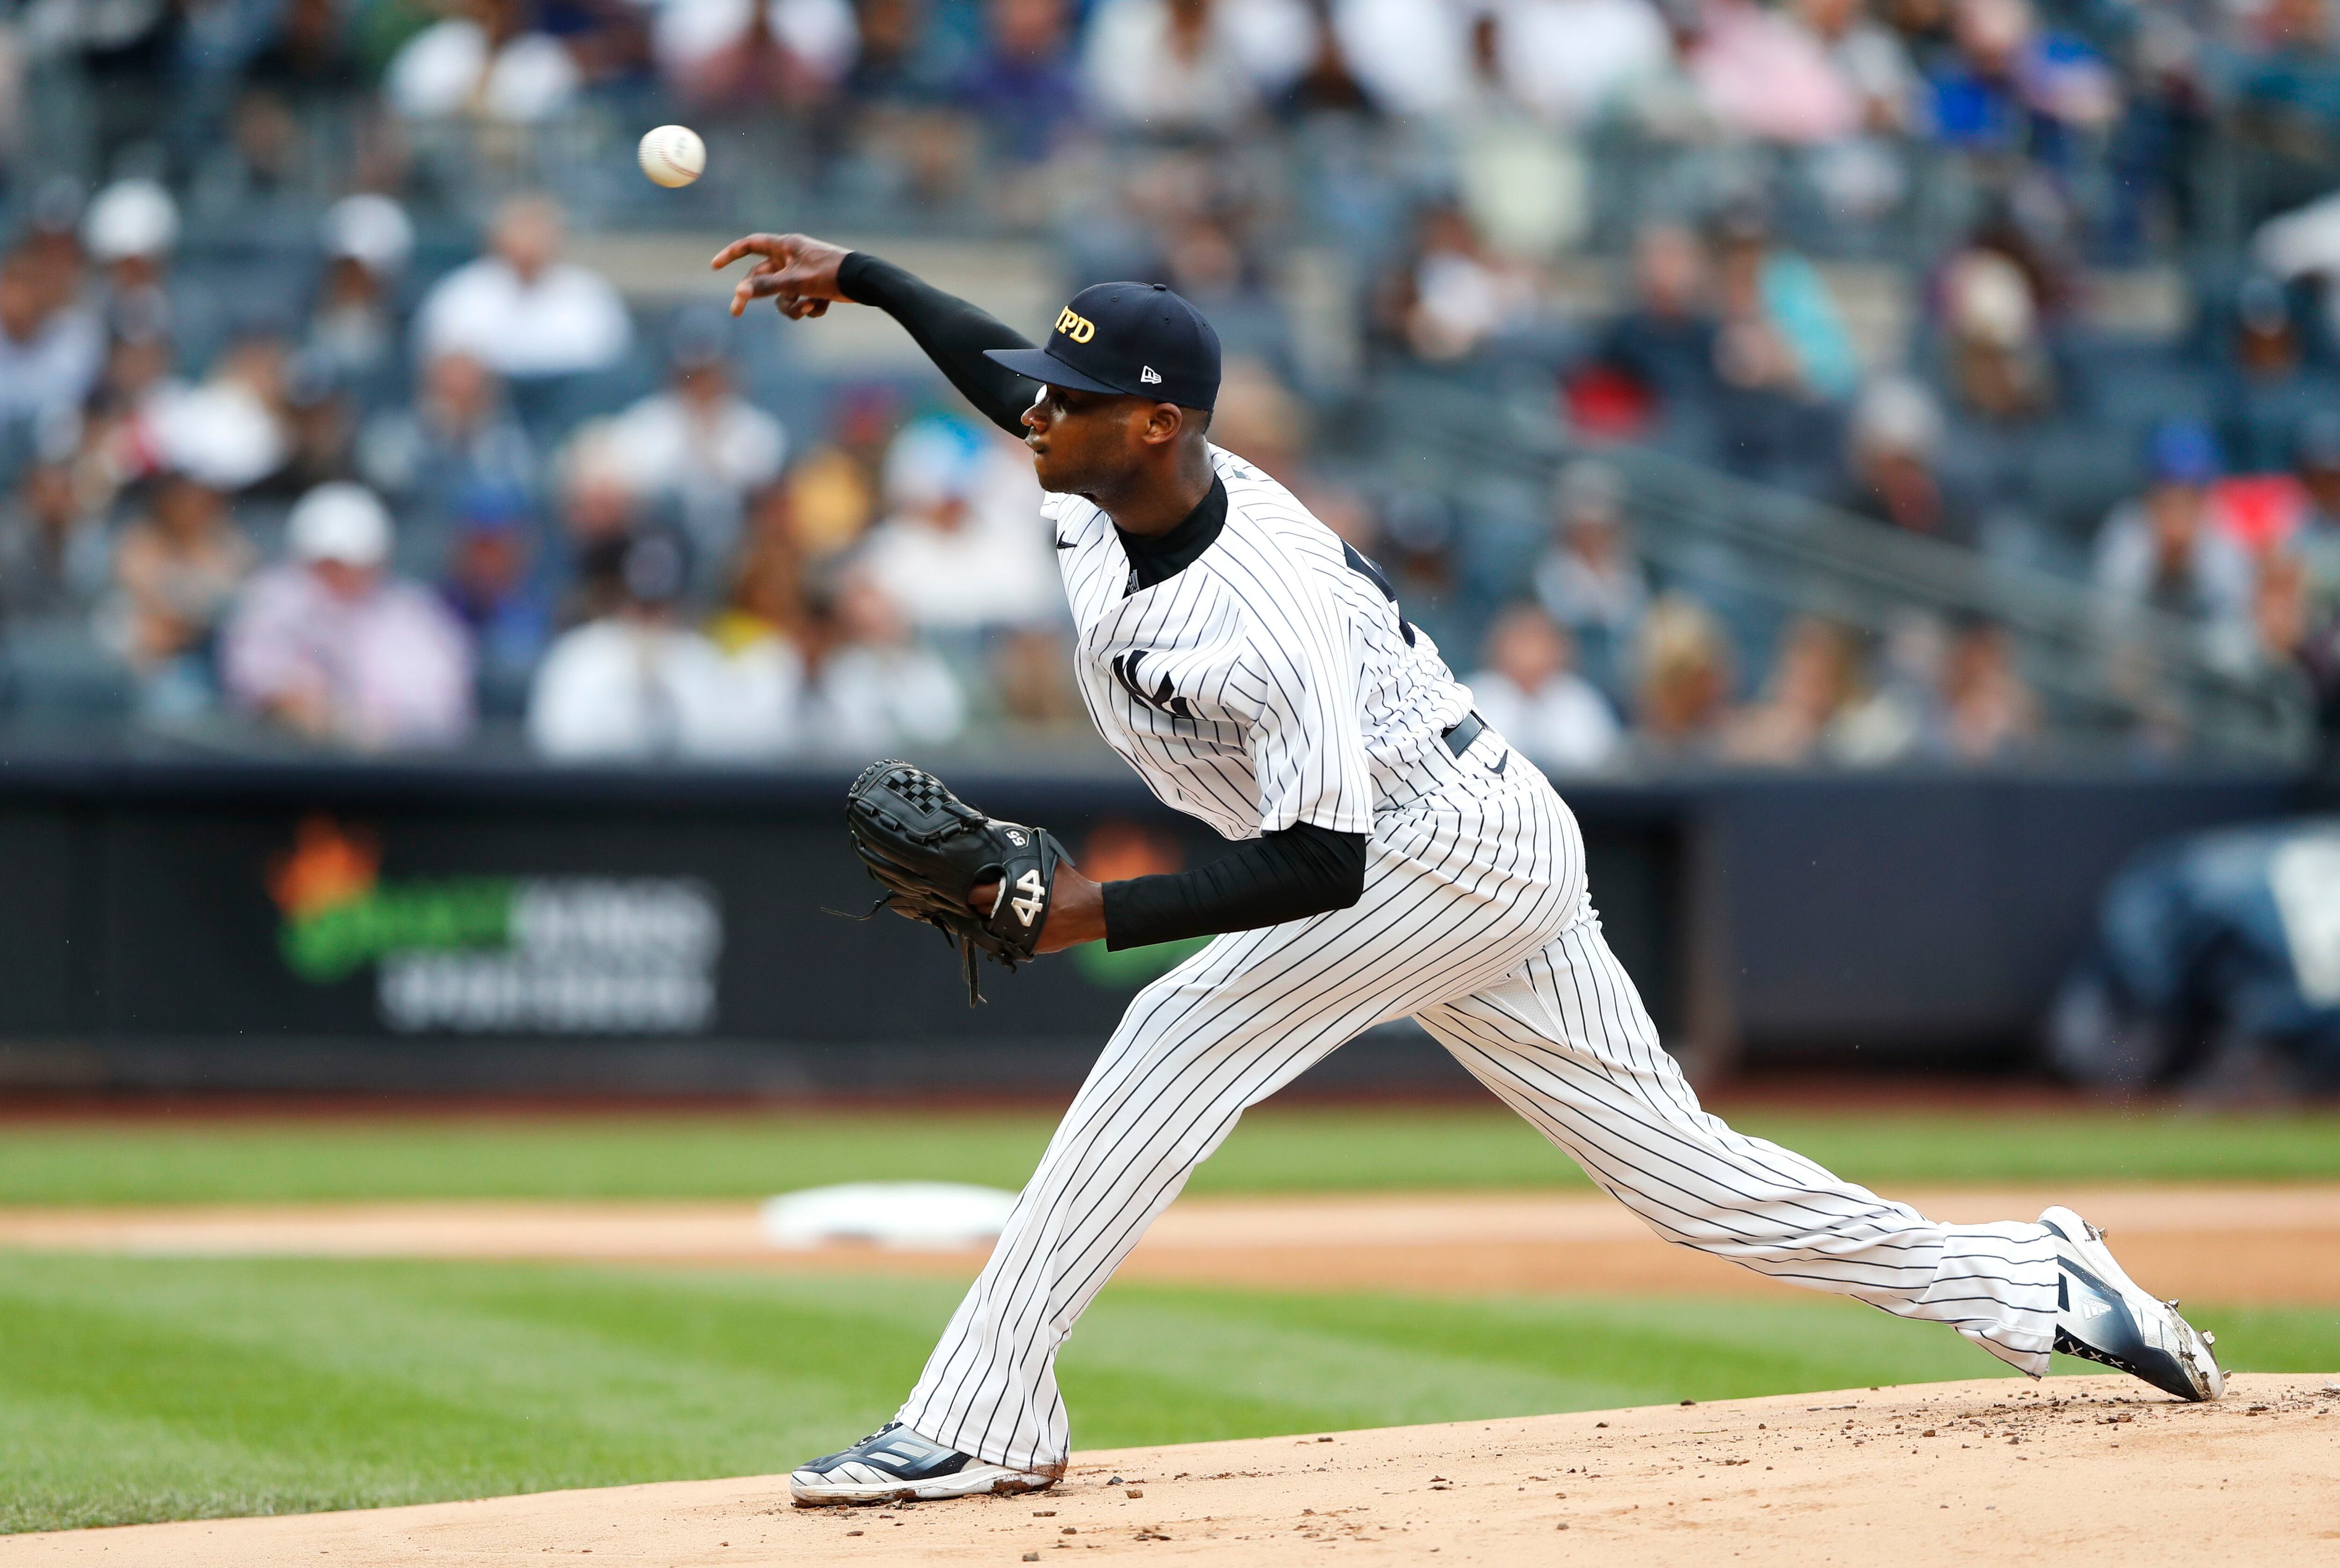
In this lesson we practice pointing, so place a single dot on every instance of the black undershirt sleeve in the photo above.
(953, 332)
(1277, 876)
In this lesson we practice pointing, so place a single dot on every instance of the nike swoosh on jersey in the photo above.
(1501, 763)
(1068, 544)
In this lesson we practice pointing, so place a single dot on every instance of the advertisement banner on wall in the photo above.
(286, 922)
(499, 955)
(311, 920)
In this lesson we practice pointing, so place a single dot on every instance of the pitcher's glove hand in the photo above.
(929, 849)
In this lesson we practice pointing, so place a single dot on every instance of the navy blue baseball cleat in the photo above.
(895, 1464)
(2102, 1316)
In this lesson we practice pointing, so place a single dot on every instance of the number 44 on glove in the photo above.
(929, 850)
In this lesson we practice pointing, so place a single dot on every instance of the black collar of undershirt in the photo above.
(1158, 556)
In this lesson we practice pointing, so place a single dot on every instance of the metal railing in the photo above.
(2109, 679)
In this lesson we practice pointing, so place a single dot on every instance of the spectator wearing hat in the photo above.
(699, 446)
(1892, 460)
(520, 309)
(494, 583)
(334, 649)
(634, 686)
(1998, 366)
(353, 325)
(2160, 552)
(961, 548)
(176, 572)
(1589, 580)
(1536, 700)
(129, 231)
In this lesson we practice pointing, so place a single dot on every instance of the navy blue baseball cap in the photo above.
(1139, 339)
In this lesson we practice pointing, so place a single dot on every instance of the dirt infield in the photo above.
(2231, 1245)
(2079, 1471)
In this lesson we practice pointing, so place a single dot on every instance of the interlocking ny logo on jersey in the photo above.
(1080, 329)
(1162, 700)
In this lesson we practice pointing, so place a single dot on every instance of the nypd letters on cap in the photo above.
(1134, 338)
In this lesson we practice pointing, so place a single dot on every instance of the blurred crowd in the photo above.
(379, 528)
(310, 424)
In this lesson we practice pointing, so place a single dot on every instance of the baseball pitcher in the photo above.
(1396, 858)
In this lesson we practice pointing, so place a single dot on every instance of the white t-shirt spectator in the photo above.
(994, 567)
(1564, 725)
(1251, 49)
(447, 69)
(620, 689)
(52, 367)
(820, 34)
(2214, 592)
(392, 667)
(1574, 61)
(867, 700)
(1415, 59)
(564, 320)
(708, 456)
(1579, 593)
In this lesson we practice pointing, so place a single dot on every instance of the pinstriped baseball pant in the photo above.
(1475, 922)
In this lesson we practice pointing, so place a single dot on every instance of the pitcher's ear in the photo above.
(1164, 421)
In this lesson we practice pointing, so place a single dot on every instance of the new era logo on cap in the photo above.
(1138, 340)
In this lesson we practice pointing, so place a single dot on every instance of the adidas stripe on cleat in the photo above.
(895, 1464)
(2102, 1316)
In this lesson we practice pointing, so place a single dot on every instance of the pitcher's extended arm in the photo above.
(804, 276)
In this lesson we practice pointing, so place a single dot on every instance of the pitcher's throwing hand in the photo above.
(797, 271)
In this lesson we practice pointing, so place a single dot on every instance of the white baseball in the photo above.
(672, 156)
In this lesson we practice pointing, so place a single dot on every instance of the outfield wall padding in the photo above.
(460, 926)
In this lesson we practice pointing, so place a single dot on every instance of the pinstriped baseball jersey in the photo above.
(1270, 683)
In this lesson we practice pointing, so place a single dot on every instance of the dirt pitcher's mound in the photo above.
(2075, 1471)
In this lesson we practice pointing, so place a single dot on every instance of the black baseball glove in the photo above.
(929, 849)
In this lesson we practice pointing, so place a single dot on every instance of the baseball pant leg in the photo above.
(1454, 898)
(1564, 1041)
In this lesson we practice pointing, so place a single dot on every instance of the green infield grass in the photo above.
(143, 1389)
(1299, 1149)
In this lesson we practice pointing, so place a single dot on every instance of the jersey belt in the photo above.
(1459, 735)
